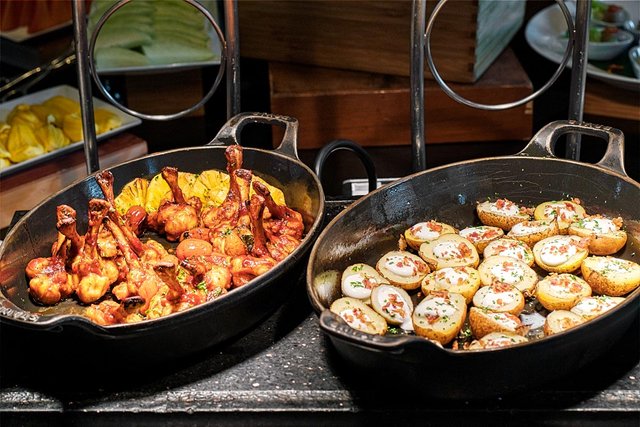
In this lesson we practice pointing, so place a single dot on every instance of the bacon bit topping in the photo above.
(618, 222)
(464, 250)
(395, 307)
(498, 287)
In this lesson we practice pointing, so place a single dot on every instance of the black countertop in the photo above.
(286, 372)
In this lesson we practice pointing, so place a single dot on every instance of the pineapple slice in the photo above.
(106, 120)
(211, 187)
(276, 194)
(22, 143)
(66, 105)
(51, 137)
(159, 189)
(133, 194)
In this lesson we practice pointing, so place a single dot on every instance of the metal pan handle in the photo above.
(230, 132)
(333, 325)
(543, 143)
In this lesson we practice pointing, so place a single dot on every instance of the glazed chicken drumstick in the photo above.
(180, 215)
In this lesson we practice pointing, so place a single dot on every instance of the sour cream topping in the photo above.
(513, 250)
(358, 285)
(508, 272)
(593, 306)
(423, 232)
(557, 251)
(435, 307)
(393, 303)
(451, 276)
(562, 210)
(598, 225)
(612, 265)
(447, 250)
(496, 300)
(526, 228)
(506, 320)
(504, 208)
(401, 265)
(356, 318)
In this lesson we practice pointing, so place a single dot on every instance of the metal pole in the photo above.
(84, 86)
(419, 14)
(578, 74)
(233, 62)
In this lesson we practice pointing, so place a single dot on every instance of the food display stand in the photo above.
(285, 371)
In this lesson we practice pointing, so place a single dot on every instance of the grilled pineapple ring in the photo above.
(210, 186)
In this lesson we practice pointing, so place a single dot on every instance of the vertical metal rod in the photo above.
(419, 13)
(84, 85)
(233, 60)
(578, 74)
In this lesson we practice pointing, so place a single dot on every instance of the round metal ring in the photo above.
(199, 104)
(505, 106)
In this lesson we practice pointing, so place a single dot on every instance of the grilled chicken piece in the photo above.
(246, 268)
(283, 228)
(49, 281)
(95, 274)
(176, 217)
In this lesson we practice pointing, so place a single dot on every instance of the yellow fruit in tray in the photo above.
(276, 194)
(72, 127)
(23, 114)
(211, 187)
(23, 143)
(49, 113)
(159, 190)
(133, 194)
(106, 120)
(4, 138)
(67, 105)
(51, 137)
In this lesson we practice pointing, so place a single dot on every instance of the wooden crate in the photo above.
(375, 35)
(374, 109)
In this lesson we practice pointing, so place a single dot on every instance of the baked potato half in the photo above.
(605, 234)
(531, 232)
(460, 280)
(504, 269)
(502, 213)
(449, 250)
(594, 306)
(511, 248)
(499, 297)
(402, 269)
(561, 291)
(497, 340)
(483, 322)
(564, 212)
(561, 253)
(394, 304)
(560, 320)
(423, 232)
(358, 280)
(481, 235)
(439, 316)
(610, 276)
(359, 316)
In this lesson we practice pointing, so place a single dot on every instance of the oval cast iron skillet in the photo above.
(371, 226)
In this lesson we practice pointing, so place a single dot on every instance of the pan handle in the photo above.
(230, 132)
(333, 325)
(543, 143)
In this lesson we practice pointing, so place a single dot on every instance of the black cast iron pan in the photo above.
(179, 333)
(371, 226)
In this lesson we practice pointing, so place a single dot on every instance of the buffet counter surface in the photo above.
(285, 372)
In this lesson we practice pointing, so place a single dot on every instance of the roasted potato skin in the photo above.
(571, 265)
(547, 291)
(402, 281)
(496, 340)
(377, 324)
(600, 244)
(497, 288)
(495, 219)
(484, 322)
(558, 210)
(414, 241)
(467, 289)
(525, 284)
(481, 243)
(445, 328)
(561, 320)
(470, 259)
(550, 229)
(609, 282)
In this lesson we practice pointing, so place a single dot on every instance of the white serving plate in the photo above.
(128, 122)
(542, 33)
